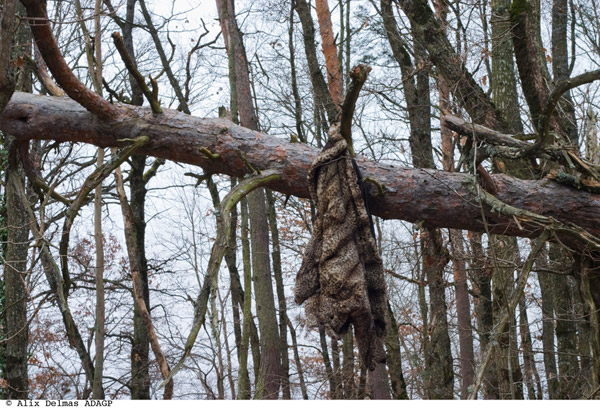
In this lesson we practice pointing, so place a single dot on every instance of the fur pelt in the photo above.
(341, 276)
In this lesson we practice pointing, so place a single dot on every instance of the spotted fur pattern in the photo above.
(341, 277)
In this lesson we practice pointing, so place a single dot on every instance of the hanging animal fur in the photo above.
(341, 277)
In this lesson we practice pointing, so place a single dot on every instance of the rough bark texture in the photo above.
(588, 268)
(439, 376)
(482, 275)
(463, 313)
(16, 331)
(40, 27)
(316, 76)
(394, 358)
(281, 299)
(7, 81)
(548, 326)
(566, 330)
(341, 276)
(140, 380)
(348, 365)
(510, 384)
(259, 229)
(334, 70)
(450, 64)
(560, 65)
(438, 198)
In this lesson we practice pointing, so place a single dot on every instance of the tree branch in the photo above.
(216, 256)
(439, 199)
(40, 27)
(359, 76)
(557, 92)
(130, 65)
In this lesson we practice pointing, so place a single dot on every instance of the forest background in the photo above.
(477, 128)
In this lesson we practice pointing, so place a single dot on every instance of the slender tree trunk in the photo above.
(337, 373)
(529, 369)
(394, 358)
(588, 268)
(298, 362)
(484, 312)
(583, 339)
(322, 95)
(548, 326)
(502, 250)
(560, 65)
(463, 312)
(463, 305)
(243, 378)
(97, 390)
(348, 365)
(283, 318)
(327, 364)
(439, 375)
(259, 230)
(439, 379)
(566, 330)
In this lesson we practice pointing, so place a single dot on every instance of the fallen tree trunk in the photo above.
(437, 198)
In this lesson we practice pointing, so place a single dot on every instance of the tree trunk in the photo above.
(566, 330)
(548, 326)
(348, 365)
(16, 329)
(298, 362)
(16, 294)
(439, 378)
(529, 368)
(394, 358)
(327, 363)
(507, 363)
(243, 377)
(484, 312)
(322, 95)
(463, 313)
(283, 318)
(259, 229)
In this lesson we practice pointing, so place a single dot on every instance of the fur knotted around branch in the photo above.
(341, 277)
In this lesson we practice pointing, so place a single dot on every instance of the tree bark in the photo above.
(278, 275)
(334, 69)
(394, 358)
(566, 330)
(259, 230)
(482, 275)
(439, 376)
(322, 95)
(16, 329)
(438, 198)
(548, 326)
(463, 313)
(15, 232)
